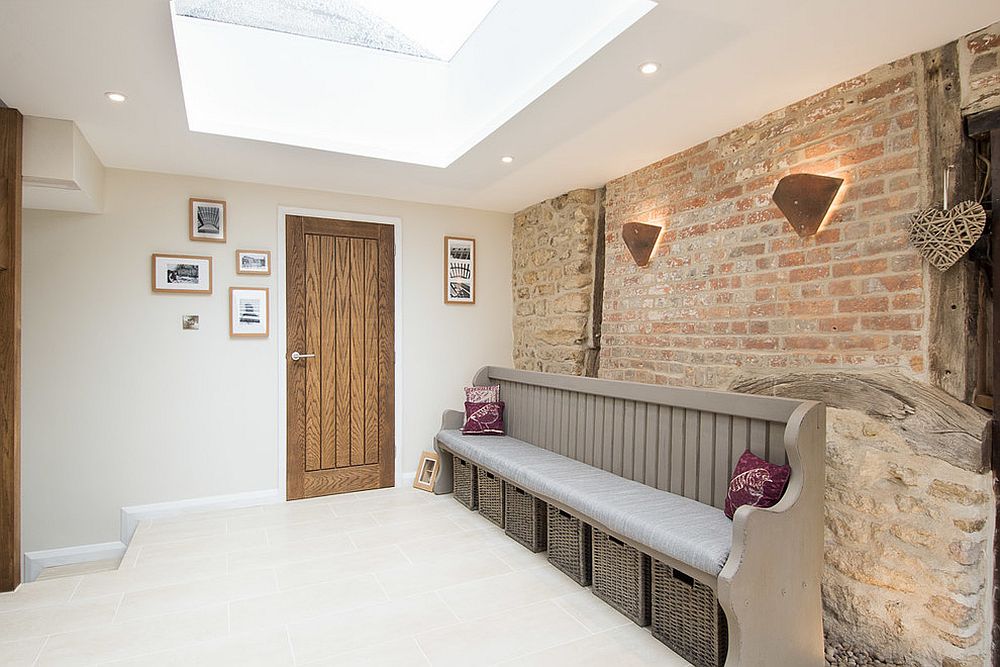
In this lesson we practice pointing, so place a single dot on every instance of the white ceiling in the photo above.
(724, 63)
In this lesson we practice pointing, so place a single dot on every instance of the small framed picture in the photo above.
(182, 274)
(207, 220)
(191, 322)
(249, 312)
(427, 472)
(253, 262)
(459, 270)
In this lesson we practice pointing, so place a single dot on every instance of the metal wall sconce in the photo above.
(640, 239)
(805, 199)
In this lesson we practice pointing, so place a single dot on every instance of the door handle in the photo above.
(298, 357)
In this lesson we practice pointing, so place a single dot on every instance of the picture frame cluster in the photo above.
(193, 275)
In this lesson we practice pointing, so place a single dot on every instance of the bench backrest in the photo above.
(685, 441)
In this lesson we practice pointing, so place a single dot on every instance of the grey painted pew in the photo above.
(687, 442)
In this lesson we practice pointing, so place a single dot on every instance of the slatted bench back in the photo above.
(685, 441)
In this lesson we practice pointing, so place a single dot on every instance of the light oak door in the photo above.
(340, 312)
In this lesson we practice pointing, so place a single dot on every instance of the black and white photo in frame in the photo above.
(459, 270)
(253, 262)
(207, 220)
(182, 274)
(249, 312)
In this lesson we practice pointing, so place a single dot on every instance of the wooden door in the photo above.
(340, 311)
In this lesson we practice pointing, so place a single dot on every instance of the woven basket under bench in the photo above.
(621, 576)
(569, 545)
(525, 518)
(687, 617)
(491, 496)
(466, 483)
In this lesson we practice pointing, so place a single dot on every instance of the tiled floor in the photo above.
(392, 577)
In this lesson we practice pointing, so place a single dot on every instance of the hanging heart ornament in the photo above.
(944, 236)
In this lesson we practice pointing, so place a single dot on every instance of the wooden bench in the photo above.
(683, 442)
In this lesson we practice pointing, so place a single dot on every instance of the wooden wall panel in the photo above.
(11, 124)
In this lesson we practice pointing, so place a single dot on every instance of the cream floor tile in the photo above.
(431, 526)
(150, 532)
(504, 636)
(627, 646)
(517, 557)
(301, 604)
(42, 621)
(289, 552)
(284, 514)
(406, 513)
(39, 594)
(202, 593)
(117, 642)
(333, 635)
(163, 552)
(296, 533)
(445, 571)
(476, 599)
(587, 608)
(429, 549)
(21, 653)
(341, 566)
(150, 576)
(365, 503)
(393, 654)
(264, 649)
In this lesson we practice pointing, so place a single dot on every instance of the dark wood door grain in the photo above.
(340, 402)
(11, 124)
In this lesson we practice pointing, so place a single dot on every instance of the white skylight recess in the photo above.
(406, 80)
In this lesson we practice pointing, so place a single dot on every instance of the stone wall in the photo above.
(732, 292)
(553, 282)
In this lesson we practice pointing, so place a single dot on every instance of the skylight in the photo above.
(406, 80)
(427, 29)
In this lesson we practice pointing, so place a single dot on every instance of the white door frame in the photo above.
(282, 333)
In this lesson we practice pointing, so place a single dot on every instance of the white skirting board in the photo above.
(36, 561)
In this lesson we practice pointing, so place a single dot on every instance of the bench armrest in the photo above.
(773, 574)
(450, 419)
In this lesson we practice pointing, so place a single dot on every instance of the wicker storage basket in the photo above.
(491, 496)
(524, 517)
(621, 576)
(466, 483)
(569, 545)
(687, 617)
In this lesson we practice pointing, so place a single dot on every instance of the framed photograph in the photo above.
(191, 322)
(459, 270)
(207, 220)
(249, 312)
(253, 262)
(427, 472)
(182, 274)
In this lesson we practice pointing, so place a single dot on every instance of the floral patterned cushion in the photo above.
(483, 418)
(482, 394)
(756, 482)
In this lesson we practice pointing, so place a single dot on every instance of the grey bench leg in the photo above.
(451, 419)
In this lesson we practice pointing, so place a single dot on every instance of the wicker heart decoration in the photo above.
(943, 237)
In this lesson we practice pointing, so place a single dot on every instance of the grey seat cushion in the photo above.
(691, 532)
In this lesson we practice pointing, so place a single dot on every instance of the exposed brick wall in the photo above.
(731, 286)
(553, 283)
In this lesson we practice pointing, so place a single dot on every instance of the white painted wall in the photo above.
(122, 407)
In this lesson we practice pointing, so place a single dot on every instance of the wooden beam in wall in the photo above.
(11, 124)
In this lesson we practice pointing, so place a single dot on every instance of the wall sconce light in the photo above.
(805, 199)
(640, 239)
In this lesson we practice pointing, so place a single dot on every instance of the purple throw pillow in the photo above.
(756, 482)
(482, 394)
(483, 418)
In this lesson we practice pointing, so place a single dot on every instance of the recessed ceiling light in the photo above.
(649, 68)
(506, 159)
(115, 97)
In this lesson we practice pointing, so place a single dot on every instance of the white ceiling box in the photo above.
(61, 172)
